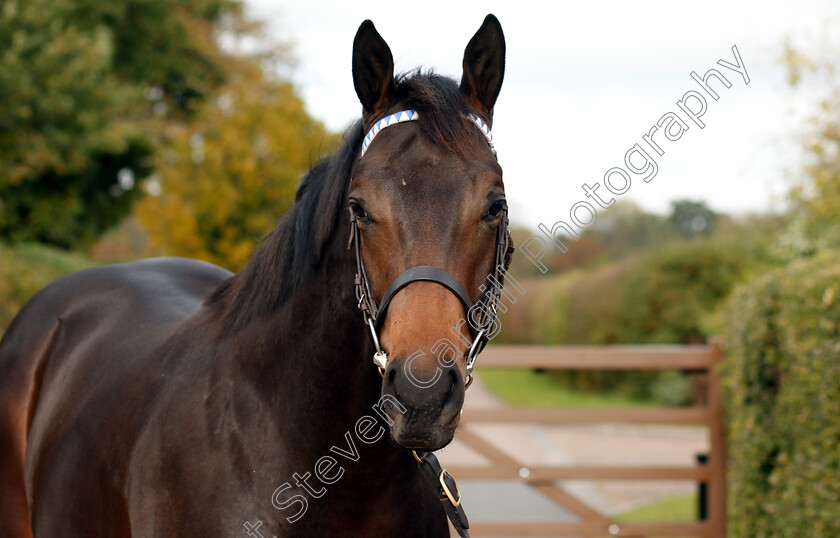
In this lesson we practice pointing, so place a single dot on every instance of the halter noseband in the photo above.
(374, 312)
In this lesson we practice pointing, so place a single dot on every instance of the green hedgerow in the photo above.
(782, 395)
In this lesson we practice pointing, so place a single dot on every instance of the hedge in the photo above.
(667, 295)
(782, 398)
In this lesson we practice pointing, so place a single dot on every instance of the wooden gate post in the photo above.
(717, 442)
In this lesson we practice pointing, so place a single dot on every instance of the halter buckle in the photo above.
(442, 478)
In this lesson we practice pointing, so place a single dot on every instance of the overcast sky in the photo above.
(583, 83)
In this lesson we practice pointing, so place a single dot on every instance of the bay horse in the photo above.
(169, 397)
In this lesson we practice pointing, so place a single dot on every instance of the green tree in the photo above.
(76, 132)
(689, 218)
(626, 228)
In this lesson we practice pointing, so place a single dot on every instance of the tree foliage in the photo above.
(622, 230)
(667, 294)
(815, 222)
(75, 128)
(224, 179)
(626, 228)
(689, 218)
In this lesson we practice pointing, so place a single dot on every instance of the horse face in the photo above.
(417, 202)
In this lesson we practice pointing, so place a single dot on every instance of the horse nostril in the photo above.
(454, 397)
(453, 383)
(389, 380)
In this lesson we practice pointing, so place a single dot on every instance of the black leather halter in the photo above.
(425, 273)
(374, 314)
(480, 315)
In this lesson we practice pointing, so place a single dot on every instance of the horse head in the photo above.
(429, 220)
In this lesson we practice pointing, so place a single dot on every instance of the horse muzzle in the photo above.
(431, 396)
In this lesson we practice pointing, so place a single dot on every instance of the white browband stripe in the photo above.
(485, 130)
(411, 115)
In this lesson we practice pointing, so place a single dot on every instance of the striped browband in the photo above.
(411, 115)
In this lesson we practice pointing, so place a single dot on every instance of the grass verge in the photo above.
(518, 387)
(678, 509)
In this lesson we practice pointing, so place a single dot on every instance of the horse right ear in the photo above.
(484, 67)
(373, 71)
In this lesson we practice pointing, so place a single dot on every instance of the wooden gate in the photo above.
(544, 479)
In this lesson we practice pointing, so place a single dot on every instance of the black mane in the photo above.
(298, 244)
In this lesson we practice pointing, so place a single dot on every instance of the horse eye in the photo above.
(358, 211)
(496, 208)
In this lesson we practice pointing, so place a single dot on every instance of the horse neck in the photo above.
(327, 347)
(311, 357)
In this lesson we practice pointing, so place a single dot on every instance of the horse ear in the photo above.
(484, 67)
(373, 70)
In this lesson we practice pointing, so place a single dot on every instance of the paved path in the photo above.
(565, 445)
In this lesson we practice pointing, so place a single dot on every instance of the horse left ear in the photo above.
(484, 67)
(373, 71)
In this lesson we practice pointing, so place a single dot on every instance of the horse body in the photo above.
(192, 433)
(168, 397)
(68, 380)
